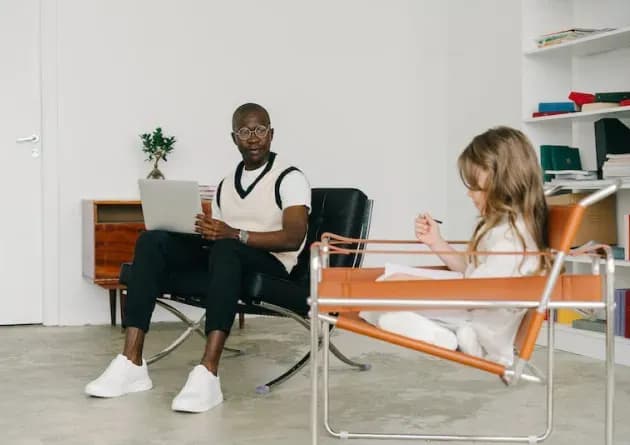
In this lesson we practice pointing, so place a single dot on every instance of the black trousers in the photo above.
(218, 268)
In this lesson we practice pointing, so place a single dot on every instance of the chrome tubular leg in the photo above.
(173, 310)
(303, 322)
(346, 360)
(550, 384)
(283, 311)
(170, 348)
(264, 389)
(314, 319)
(193, 326)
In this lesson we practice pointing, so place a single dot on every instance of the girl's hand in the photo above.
(428, 231)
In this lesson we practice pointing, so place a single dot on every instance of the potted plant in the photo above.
(157, 147)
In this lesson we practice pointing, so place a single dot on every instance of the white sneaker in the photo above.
(121, 377)
(201, 392)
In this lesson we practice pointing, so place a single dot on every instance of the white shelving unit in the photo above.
(587, 343)
(589, 185)
(589, 116)
(587, 260)
(597, 63)
(587, 46)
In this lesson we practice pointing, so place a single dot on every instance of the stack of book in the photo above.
(612, 143)
(551, 108)
(555, 38)
(572, 175)
(562, 162)
(622, 317)
(616, 165)
(581, 102)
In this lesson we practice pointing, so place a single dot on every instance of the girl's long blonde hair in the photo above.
(513, 187)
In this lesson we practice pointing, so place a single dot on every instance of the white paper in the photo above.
(420, 272)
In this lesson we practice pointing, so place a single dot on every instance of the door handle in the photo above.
(33, 139)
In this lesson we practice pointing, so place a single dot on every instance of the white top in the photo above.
(294, 189)
(503, 239)
(260, 206)
(496, 328)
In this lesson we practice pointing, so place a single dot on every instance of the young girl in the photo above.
(500, 170)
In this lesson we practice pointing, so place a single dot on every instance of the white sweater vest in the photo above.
(257, 208)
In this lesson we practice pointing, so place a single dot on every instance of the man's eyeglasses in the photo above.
(245, 133)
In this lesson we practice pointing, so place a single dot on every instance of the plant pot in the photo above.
(155, 174)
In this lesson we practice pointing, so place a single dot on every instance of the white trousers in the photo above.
(487, 333)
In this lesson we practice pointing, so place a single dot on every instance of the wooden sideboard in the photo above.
(110, 230)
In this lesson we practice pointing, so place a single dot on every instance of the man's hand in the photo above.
(213, 229)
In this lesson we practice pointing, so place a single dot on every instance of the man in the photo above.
(258, 224)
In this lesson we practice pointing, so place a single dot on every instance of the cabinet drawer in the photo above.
(114, 244)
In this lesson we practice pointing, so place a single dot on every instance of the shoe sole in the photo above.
(196, 410)
(135, 387)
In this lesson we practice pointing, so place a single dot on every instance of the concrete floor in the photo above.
(43, 371)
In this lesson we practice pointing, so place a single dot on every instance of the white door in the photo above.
(20, 163)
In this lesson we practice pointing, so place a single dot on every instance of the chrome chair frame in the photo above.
(319, 259)
(197, 326)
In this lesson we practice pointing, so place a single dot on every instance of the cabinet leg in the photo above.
(241, 320)
(112, 305)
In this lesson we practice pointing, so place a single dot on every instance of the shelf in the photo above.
(618, 112)
(586, 259)
(587, 343)
(598, 43)
(587, 185)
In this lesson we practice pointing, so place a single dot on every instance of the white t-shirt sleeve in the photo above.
(295, 190)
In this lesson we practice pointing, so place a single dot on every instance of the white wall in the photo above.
(484, 87)
(361, 93)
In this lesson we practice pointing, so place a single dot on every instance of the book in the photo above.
(590, 325)
(618, 157)
(574, 175)
(545, 161)
(612, 96)
(549, 113)
(626, 238)
(565, 158)
(599, 106)
(627, 309)
(566, 35)
(560, 158)
(556, 106)
(620, 330)
(620, 311)
(567, 316)
(581, 98)
(612, 137)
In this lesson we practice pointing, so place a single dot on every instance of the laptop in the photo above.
(171, 205)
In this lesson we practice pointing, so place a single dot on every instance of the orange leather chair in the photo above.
(338, 294)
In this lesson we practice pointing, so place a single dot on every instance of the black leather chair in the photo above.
(344, 211)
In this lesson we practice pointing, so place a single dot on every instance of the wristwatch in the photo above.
(243, 236)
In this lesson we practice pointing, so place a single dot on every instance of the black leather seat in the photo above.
(344, 211)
